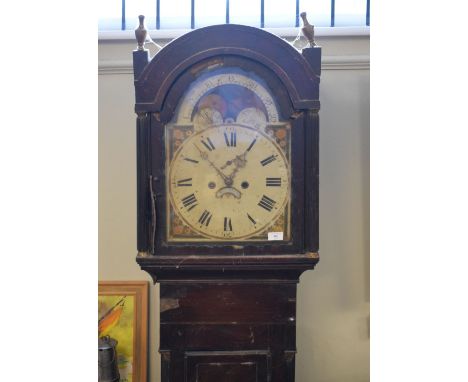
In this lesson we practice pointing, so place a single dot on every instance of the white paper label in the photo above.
(275, 235)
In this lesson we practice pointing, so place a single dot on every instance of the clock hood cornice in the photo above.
(158, 75)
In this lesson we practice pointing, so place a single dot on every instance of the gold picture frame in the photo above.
(123, 315)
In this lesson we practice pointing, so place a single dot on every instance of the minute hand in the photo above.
(227, 180)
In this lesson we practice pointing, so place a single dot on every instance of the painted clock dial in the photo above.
(227, 164)
(229, 181)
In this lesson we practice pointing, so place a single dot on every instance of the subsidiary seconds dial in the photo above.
(229, 182)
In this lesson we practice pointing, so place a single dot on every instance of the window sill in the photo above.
(164, 34)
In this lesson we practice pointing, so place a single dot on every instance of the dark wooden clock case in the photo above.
(227, 310)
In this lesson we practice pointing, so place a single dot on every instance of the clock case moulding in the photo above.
(160, 82)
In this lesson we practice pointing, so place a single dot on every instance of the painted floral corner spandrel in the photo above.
(177, 135)
(116, 319)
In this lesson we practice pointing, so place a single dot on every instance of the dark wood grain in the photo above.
(216, 366)
(314, 58)
(140, 61)
(311, 211)
(224, 302)
(143, 174)
(281, 268)
(237, 331)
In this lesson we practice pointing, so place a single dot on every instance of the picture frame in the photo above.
(123, 315)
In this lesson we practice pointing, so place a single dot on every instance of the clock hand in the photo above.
(228, 163)
(237, 159)
(204, 155)
(240, 162)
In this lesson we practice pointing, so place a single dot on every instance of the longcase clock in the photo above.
(227, 166)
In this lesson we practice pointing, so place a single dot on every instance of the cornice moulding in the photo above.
(328, 63)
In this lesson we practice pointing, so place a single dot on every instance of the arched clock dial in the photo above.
(253, 117)
(200, 95)
(229, 182)
(238, 192)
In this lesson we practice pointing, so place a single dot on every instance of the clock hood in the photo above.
(296, 71)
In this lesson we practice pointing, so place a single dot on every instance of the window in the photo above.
(191, 14)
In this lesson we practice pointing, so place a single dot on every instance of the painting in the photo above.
(123, 315)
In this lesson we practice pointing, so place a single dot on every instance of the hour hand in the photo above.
(239, 161)
(228, 163)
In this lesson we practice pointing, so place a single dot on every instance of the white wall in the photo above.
(333, 300)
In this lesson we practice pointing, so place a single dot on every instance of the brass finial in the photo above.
(308, 30)
(140, 33)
